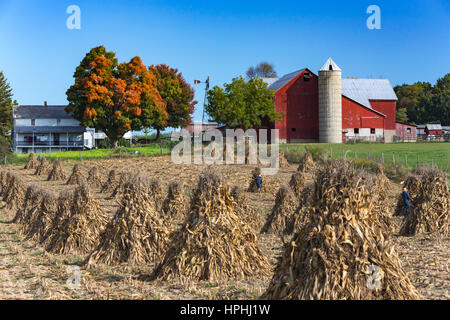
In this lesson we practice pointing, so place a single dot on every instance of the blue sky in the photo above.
(222, 39)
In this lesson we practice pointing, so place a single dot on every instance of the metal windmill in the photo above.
(206, 96)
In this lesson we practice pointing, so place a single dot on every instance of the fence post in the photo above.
(418, 161)
(432, 163)
(406, 160)
(356, 155)
(80, 155)
(160, 146)
(343, 154)
(393, 159)
(120, 153)
(5, 159)
(382, 157)
(368, 155)
(331, 152)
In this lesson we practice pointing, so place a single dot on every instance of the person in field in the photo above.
(406, 197)
(259, 182)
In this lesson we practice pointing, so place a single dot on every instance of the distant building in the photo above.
(434, 131)
(405, 132)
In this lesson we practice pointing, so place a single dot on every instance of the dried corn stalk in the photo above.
(79, 233)
(307, 164)
(281, 219)
(214, 242)
(57, 172)
(32, 162)
(245, 210)
(76, 178)
(341, 253)
(430, 207)
(43, 167)
(94, 179)
(175, 204)
(137, 234)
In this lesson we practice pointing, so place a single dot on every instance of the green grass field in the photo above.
(408, 155)
(150, 150)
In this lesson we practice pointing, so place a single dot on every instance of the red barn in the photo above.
(406, 132)
(434, 131)
(368, 107)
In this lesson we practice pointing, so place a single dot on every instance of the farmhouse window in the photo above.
(372, 130)
(33, 122)
(293, 129)
(356, 131)
(408, 130)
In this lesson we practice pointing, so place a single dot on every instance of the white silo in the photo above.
(330, 103)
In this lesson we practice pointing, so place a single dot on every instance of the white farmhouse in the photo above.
(48, 128)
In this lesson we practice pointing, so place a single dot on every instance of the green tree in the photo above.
(443, 84)
(410, 97)
(262, 70)
(5, 105)
(177, 94)
(242, 103)
(402, 115)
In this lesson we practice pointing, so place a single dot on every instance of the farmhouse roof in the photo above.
(364, 90)
(40, 112)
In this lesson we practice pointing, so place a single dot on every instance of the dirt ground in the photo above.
(28, 272)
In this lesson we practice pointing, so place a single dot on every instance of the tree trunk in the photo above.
(115, 143)
(158, 134)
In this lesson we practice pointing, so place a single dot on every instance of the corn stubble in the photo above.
(214, 243)
(137, 234)
(331, 256)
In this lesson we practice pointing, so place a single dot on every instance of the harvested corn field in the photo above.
(129, 248)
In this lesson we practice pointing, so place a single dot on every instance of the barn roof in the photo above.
(434, 127)
(364, 90)
(41, 112)
(280, 83)
(270, 81)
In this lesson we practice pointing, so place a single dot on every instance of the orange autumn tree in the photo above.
(114, 98)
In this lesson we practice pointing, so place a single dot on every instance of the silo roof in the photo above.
(364, 90)
(328, 63)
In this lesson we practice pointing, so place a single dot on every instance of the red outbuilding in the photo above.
(406, 132)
